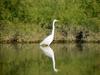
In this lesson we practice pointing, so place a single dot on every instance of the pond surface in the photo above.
(31, 59)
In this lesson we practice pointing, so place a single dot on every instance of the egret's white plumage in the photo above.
(49, 52)
(49, 39)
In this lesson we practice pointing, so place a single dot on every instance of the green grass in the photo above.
(41, 12)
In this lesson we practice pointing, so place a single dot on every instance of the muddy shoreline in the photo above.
(55, 41)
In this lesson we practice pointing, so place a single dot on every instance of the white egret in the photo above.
(49, 52)
(49, 39)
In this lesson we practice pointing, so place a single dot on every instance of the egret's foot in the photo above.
(56, 70)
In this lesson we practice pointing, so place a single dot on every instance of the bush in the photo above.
(70, 12)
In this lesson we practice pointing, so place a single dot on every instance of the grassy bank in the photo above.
(30, 33)
(30, 20)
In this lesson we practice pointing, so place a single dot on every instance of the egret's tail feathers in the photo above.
(41, 43)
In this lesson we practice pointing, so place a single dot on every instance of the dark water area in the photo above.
(31, 59)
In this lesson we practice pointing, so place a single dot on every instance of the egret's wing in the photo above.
(46, 40)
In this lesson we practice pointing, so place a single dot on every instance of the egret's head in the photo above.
(55, 20)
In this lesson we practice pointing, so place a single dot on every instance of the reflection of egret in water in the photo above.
(49, 52)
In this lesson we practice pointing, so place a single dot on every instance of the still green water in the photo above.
(70, 59)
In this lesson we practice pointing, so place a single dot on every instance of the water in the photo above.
(30, 59)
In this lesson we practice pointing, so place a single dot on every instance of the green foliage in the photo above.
(70, 12)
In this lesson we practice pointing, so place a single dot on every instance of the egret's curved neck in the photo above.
(53, 28)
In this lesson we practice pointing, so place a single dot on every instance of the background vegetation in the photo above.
(27, 18)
